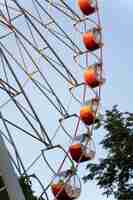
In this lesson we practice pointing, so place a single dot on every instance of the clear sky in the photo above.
(117, 26)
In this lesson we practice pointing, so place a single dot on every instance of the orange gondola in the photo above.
(66, 186)
(87, 6)
(88, 112)
(92, 76)
(82, 148)
(92, 39)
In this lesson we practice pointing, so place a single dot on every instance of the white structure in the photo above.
(9, 185)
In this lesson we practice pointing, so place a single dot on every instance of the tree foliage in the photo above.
(114, 172)
(27, 188)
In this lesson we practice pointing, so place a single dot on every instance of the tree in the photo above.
(26, 188)
(114, 172)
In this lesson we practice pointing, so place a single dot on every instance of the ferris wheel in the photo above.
(51, 76)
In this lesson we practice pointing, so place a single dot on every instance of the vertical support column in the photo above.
(10, 188)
